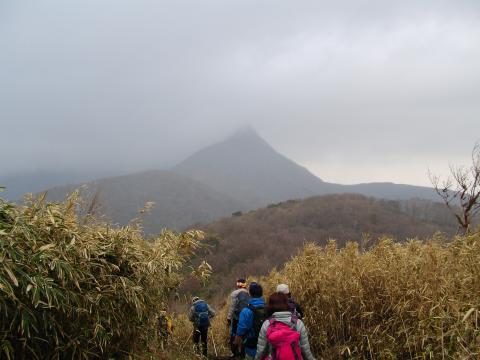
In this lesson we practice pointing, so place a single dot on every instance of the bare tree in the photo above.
(461, 190)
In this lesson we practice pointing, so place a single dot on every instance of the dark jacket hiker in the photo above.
(293, 307)
(250, 322)
(200, 315)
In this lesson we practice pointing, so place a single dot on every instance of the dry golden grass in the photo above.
(395, 301)
(416, 300)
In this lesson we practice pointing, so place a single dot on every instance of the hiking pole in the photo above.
(214, 347)
(186, 342)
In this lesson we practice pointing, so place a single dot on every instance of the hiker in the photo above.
(200, 315)
(283, 336)
(292, 305)
(165, 328)
(250, 322)
(239, 300)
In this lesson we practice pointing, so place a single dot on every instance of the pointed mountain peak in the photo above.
(247, 136)
(246, 131)
(247, 168)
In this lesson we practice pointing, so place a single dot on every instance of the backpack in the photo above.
(284, 340)
(243, 299)
(259, 316)
(292, 307)
(202, 315)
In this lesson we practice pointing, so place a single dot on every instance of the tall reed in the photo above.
(417, 300)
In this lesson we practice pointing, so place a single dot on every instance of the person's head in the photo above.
(284, 289)
(277, 302)
(195, 299)
(241, 283)
(255, 290)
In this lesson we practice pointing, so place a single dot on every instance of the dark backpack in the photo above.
(293, 308)
(243, 299)
(202, 315)
(259, 316)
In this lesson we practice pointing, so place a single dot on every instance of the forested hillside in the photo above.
(257, 241)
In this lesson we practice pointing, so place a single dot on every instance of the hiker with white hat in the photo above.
(294, 308)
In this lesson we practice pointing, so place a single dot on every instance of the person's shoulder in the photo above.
(299, 324)
(266, 324)
(246, 311)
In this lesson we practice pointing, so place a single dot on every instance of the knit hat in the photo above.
(195, 298)
(283, 288)
(255, 290)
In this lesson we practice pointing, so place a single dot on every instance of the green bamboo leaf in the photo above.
(11, 275)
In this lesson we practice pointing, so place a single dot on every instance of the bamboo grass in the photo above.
(74, 288)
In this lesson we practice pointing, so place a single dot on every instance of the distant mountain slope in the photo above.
(19, 184)
(179, 201)
(241, 173)
(246, 167)
(259, 240)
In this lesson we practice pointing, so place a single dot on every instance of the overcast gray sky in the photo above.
(355, 90)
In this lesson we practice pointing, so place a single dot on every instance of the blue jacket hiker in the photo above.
(250, 322)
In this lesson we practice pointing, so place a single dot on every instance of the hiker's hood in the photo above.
(256, 302)
(238, 291)
(283, 316)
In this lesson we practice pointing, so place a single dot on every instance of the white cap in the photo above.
(283, 288)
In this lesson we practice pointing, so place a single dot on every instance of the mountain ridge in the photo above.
(243, 172)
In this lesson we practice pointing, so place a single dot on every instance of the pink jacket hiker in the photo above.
(284, 340)
(283, 337)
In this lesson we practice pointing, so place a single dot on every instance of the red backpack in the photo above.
(284, 340)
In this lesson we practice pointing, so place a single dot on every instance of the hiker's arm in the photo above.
(299, 311)
(232, 307)
(191, 314)
(245, 322)
(304, 344)
(211, 312)
(262, 345)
